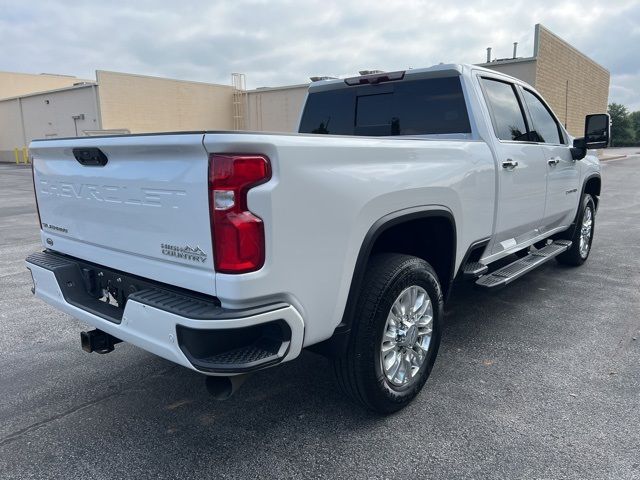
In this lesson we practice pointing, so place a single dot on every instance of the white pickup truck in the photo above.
(229, 252)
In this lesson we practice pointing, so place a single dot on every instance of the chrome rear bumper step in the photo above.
(509, 273)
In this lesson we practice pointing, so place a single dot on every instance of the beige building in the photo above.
(17, 84)
(57, 113)
(144, 104)
(275, 109)
(116, 103)
(128, 103)
(572, 83)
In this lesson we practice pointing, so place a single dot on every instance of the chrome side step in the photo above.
(509, 273)
(474, 269)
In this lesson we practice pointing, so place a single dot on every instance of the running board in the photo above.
(474, 269)
(509, 273)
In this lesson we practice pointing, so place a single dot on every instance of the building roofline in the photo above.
(282, 87)
(536, 44)
(154, 77)
(47, 92)
(506, 61)
(43, 74)
(536, 49)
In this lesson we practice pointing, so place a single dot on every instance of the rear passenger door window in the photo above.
(522, 171)
(507, 115)
(544, 127)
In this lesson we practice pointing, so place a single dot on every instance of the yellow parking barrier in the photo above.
(22, 152)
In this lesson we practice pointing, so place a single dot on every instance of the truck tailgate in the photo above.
(144, 212)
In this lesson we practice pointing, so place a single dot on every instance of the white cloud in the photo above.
(625, 90)
(281, 42)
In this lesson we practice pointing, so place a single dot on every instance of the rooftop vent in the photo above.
(514, 57)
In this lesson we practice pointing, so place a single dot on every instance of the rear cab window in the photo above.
(518, 114)
(431, 106)
(507, 114)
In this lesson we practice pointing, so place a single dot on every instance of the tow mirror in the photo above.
(597, 132)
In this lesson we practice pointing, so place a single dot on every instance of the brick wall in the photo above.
(144, 104)
(17, 84)
(573, 84)
(276, 109)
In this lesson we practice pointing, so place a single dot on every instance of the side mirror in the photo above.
(597, 132)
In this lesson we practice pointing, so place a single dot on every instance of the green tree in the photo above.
(635, 125)
(622, 133)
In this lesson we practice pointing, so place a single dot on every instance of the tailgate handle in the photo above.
(90, 157)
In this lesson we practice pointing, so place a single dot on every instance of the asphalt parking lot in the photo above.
(538, 380)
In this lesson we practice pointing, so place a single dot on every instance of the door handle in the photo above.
(509, 164)
(553, 161)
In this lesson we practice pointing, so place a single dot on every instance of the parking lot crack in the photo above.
(36, 426)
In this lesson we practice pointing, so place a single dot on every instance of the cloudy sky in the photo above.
(281, 42)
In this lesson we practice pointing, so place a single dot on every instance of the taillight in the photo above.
(238, 234)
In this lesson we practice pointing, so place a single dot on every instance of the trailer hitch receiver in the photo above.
(97, 341)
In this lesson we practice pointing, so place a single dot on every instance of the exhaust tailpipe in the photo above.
(221, 388)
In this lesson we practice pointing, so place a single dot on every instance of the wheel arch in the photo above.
(380, 238)
(592, 185)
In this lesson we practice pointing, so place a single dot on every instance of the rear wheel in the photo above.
(580, 248)
(395, 335)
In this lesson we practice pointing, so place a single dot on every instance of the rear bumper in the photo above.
(188, 330)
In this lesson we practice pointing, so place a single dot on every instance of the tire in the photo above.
(578, 253)
(360, 372)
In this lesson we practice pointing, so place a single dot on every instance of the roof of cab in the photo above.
(415, 73)
(441, 70)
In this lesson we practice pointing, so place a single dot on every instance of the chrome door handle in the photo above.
(509, 164)
(553, 161)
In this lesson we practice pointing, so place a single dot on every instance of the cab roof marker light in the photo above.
(375, 78)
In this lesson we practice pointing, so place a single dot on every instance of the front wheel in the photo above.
(582, 238)
(395, 335)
